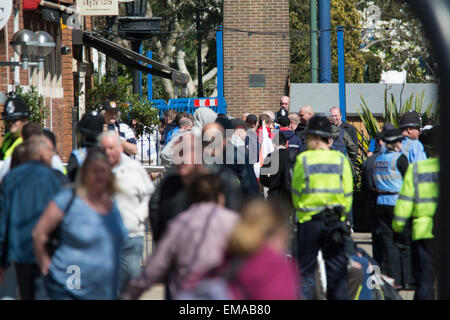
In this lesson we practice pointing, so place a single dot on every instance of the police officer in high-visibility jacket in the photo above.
(388, 172)
(15, 115)
(418, 200)
(322, 194)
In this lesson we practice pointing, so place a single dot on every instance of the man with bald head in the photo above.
(305, 113)
(336, 119)
(284, 108)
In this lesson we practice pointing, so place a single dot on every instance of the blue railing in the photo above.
(188, 105)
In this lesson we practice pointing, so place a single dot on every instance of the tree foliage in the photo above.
(342, 13)
(35, 102)
(136, 112)
(176, 46)
(397, 37)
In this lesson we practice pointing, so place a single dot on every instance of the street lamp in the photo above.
(28, 44)
(43, 47)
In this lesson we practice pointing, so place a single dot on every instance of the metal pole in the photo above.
(199, 57)
(140, 74)
(135, 46)
(149, 79)
(324, 42)
(434, 15)
(313, 41)
(219, 55)
(341, 70)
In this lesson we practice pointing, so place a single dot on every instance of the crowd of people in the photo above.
(243, 210)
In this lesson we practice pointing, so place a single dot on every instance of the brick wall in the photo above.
(264, 54)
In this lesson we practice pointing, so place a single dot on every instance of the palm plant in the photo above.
(391, 114)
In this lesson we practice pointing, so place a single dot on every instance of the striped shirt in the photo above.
(125, 132)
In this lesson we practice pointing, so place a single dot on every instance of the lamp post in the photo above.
(29, 46)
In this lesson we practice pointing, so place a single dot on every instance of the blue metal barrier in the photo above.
(189, 105)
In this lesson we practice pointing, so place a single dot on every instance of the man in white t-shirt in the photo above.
(135, 189)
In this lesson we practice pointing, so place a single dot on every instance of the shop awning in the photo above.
(128, 57)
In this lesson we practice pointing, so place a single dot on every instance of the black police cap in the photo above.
(392, 135)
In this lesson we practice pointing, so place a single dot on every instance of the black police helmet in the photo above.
(410, 119)
(91, 125)
(320, 126)
(15, 108)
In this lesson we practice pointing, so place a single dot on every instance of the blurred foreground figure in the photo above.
(25, 192)
(86, 263)
(194, 242)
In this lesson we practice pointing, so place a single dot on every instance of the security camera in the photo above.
(66, 50)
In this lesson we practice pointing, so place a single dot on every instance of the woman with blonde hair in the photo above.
(259, 243)
(85, 264)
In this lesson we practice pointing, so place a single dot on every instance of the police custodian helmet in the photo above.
(410, 119)
(15, 108)
(320, 126)
(91, 124)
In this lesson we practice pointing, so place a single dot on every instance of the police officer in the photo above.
(388, 172)
(410, 124)
(369, 186)
(418, 200)
(88, 128)
(322, 194)
(16, 115)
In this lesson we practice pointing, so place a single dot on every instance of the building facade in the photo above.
(256, 54)
(67, 70)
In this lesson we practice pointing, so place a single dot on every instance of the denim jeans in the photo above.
(130, 262)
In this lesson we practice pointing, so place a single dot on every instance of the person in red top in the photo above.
(259, 243)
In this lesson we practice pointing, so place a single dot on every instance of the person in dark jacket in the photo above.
(170, 197)
(89, 127)
(237, 158)
(294, 142)
(279, 179)
(25, 192)
(284, 108)
(336, 117)
(305, 113)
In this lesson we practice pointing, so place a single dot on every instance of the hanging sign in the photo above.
(98, 7)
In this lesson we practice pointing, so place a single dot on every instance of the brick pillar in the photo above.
(255, 54)
(65, 135)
